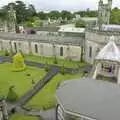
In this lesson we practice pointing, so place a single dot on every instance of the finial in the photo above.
(112, 38)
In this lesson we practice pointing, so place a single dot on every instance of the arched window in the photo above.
(61, 51)
(15, 46)
(90, 52)
(36, 48)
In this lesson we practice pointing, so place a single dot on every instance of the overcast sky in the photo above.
(72, 5)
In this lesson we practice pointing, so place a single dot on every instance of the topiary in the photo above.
(12, 95)
(18, 63)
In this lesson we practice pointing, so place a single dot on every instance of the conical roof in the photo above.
(109, 52)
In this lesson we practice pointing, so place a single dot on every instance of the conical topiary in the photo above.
(18, 63)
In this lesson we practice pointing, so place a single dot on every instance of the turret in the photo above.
(101, 2)
(110, 4)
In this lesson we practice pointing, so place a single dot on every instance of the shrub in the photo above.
(12, 95)
(18, 63)
(55, 60)
(46, 67)
(80, 23)
(6, 53)
(62, 70)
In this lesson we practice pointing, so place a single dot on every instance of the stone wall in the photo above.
(42, 49)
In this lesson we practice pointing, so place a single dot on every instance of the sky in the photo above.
(70, 5)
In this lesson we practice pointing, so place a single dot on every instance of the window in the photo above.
(36, 48)
(61, 51)
(41, 49)
(108, 68)
(15, 46)
(90, 52)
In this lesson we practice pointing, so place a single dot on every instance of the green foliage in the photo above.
(80, 23)
(18, 63)
(47, 67)
(62, 70)
(12, 95)
(88, 13)
(115, 16)
(55, 60)
(6, 53)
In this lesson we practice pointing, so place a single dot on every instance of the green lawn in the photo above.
(20, 80)
(22, 117)
(2, 53)
(45, 99)
(50, 60)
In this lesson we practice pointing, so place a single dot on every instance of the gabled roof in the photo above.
(109, 52)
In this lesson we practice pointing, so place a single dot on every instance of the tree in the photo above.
(66, 14)
(18, 63)
(31, 10)
(115, 16)
(12, 95)
(21, 11)
(42, 15)
(54, 14)
(80, 23)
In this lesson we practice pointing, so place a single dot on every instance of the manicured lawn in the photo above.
(45, 99)
(50, 60)
(22, 117)
(2, 53)
(20, 80)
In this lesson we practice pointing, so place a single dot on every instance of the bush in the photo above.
(62, 70)
(6, 53)
(18, 63)
(12, 95)
(80, 24)
(46, 67)
(55, 60)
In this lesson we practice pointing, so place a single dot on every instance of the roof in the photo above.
(109, 52)
(89, 18)
(77, 41)
(91, 98)
(111, 27)
(71, 29)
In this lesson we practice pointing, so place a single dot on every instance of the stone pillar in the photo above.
(11, 20)
(4, 110)
(118, 76)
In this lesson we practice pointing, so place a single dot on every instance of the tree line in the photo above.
(28, 13)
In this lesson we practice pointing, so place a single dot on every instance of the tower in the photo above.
(100, 14)
(11, 19)
(104, 11)
(110, 4)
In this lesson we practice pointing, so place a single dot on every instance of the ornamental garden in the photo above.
(20, 73)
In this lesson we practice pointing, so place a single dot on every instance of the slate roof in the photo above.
(109, 52)
(92, 98)
(44, 38)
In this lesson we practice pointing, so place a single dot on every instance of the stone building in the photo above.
(9, 25)
(104, 12)
(107, 63)
(42, 45)
(96, 40)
